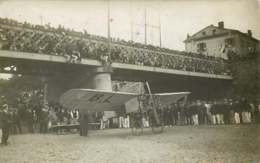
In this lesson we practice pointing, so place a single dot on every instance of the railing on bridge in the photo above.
(20, 37)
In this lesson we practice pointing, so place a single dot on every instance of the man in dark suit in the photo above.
(174, 114)
(6, 123)
(83, 124)
(202, 110)
(226, 111)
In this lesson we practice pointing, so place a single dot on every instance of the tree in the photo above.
(244, 69)
(11, 89)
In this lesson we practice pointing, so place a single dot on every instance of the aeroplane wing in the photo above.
(94, 100)
(169, 98)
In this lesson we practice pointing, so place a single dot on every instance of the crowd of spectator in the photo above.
(216, 112)
(73, 45)
(225, 111)
(62, 116)
(29, 112)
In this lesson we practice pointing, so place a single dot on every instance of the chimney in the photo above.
(249, 33)
(221, 24)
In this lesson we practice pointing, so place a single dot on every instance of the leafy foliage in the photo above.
(17, 85)
(244, 69)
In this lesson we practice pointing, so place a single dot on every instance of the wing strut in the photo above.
(152, 102)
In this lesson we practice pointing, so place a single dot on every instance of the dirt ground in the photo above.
(232, 143)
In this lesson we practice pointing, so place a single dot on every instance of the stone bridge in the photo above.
(60, 75)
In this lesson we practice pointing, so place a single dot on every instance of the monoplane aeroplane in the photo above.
(101, 100)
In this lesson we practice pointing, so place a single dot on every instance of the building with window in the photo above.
(218, 40)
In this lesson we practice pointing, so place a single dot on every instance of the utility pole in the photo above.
(146, 25)
(160, 32)
(108, 27)
(108, 24)
(131, 20)
(145, 28)
(41, 17)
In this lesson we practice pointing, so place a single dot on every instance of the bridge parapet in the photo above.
(95, 63)
(75, 45)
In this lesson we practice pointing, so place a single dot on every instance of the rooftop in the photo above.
(221, 31)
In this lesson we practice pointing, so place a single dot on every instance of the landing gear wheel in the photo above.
(136, 124)
(157, 127)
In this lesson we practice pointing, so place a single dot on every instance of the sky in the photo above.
(177, 17)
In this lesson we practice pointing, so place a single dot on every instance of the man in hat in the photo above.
(83, 124)
(6, 123)
(44, 119)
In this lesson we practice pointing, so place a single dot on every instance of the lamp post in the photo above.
(108, 27)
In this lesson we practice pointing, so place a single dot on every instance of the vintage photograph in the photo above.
(130, 81)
